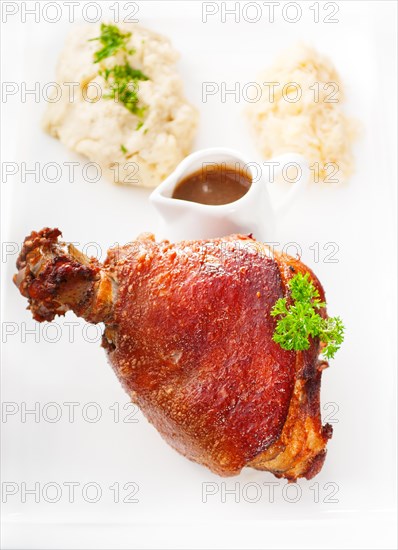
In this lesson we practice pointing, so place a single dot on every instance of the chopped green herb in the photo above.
(112, 40)
(300, 320)
(139, 125)
(123, 149)
(122, 79)
(123, 82)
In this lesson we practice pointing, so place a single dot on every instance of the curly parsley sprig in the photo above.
(300, 320)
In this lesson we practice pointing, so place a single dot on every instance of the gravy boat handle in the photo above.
(284, 204)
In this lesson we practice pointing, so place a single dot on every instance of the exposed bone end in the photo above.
(56, 278)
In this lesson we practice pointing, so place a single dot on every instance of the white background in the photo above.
(359, 388)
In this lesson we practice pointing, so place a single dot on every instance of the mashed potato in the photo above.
(135, 148)
(314, 125)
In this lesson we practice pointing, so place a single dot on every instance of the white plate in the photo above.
(351, 503)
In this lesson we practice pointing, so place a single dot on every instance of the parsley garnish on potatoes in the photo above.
(112, 40)
(122, 79)
(300, 320)
(123, 82)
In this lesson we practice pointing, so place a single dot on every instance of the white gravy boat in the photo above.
(252, 213)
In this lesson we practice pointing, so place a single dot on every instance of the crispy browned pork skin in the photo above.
(189, 335)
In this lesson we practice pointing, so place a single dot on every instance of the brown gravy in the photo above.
(213, 184)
